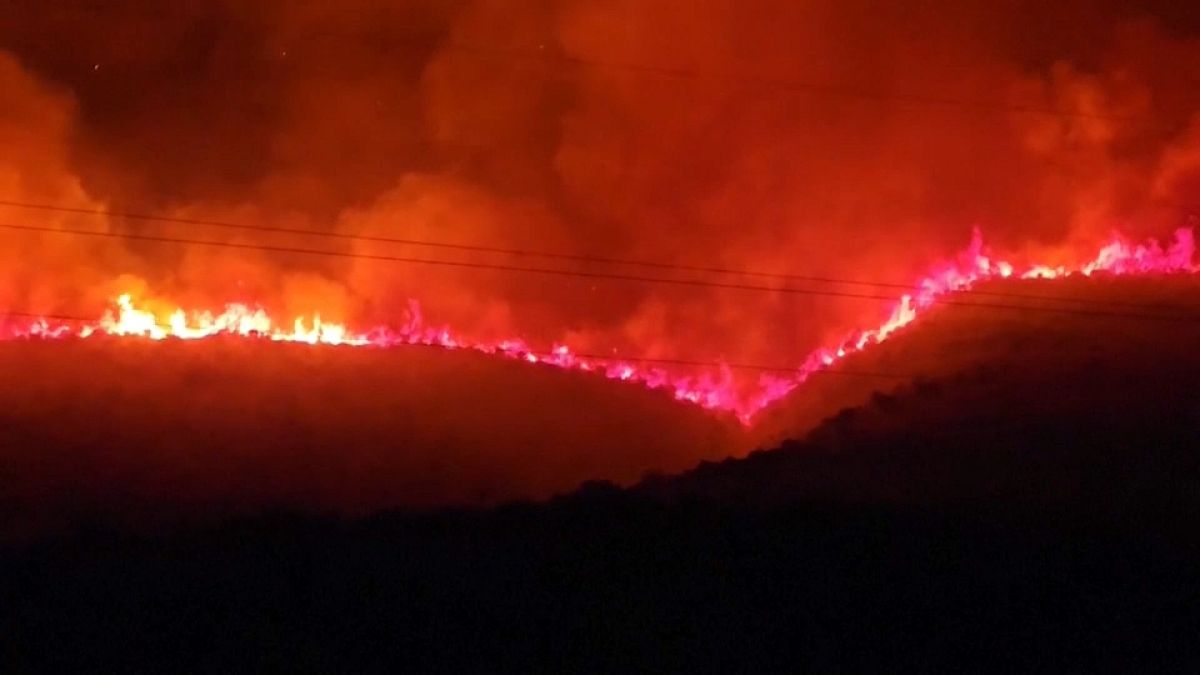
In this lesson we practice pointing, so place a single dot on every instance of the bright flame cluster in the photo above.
(237, 319)
(711, 391)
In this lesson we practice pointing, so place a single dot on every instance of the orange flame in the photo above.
(718, 393)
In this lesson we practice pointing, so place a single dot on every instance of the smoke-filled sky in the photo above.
(851, 139)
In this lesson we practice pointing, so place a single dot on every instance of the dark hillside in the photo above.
(1037, 512)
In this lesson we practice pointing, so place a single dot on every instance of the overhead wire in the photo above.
(835, 90)
(611, 358)
(551, 255)
(699, 283)
(439, 41)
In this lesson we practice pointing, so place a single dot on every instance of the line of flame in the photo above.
(714, 392)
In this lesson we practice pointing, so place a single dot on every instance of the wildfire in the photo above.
(713, 392)
(237, 320)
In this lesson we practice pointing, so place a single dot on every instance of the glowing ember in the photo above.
(972, 266)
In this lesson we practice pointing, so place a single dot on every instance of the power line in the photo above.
(436, 262)
(587, 275)
(561, 256)
(549, 355)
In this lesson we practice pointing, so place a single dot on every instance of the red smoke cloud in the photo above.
(855, 140)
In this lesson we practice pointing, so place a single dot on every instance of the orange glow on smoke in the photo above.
(127, 320)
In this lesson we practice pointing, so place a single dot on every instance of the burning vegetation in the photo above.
(723, 393)
(709, 141)
(681, 272)
(716, 202)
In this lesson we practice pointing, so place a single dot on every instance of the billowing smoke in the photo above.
(841, 139)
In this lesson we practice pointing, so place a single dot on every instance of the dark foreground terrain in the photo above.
(1032, 506)
(609, 581)
(133, 431)
(1066, 542)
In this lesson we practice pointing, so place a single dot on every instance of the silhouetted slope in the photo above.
(1036, 513)
(1125, 333)
(1109, 436)
(128, 430)
(607, 580)
(1102, 406)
